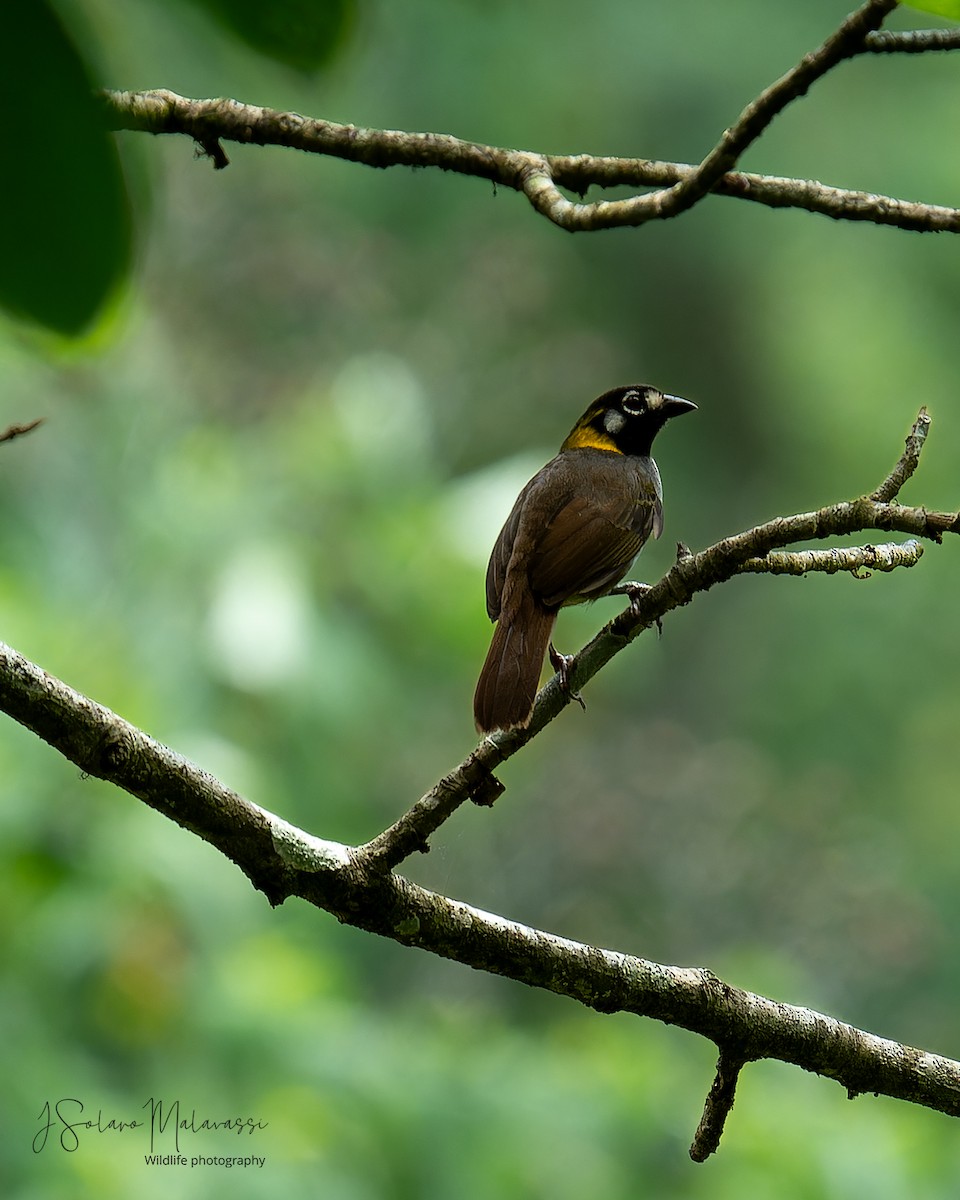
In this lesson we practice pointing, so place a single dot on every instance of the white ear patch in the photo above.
(613, 421)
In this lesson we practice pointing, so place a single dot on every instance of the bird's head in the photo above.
(626, 420)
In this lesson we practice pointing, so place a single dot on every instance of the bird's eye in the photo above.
(632, 403)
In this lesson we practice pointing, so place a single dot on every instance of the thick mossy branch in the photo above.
(283, 861)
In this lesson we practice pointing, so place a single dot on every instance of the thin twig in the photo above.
(690, 575)
(914, 41)
(15, 431)
(846, 42)
(908, 461)
(580, 172)
(852, 559)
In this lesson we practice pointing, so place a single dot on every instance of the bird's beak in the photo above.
(676, 406)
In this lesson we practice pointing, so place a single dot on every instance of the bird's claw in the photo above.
(635, 593)
(562, 663)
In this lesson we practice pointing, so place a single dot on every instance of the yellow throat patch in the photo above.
(586, 437)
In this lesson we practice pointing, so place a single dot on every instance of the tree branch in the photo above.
(283, 861)
(915, 41)
(908, 461)
(845, 43)
(678, 186)
(859, 561)
(356, 884)
(693, 573)
(580, 172)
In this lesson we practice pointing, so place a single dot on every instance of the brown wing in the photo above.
(588, 548)
(502, 550)
(576, 527)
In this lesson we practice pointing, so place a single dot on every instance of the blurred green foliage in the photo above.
(943, 8)
(65, 224)
(298, 33)
(255, 523)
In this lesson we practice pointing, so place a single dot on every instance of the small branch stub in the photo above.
(213, 149)
(717, 1107)
(908, 462)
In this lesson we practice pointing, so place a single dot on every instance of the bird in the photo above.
(571, 536)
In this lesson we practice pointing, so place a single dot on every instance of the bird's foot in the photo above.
(636, 591)
(562, 663)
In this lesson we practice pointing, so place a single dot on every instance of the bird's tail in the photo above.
(507, 686)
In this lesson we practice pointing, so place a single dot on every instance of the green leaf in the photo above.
(65, 228)
(303, 34)
(943, 8)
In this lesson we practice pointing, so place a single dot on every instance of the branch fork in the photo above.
(539, 177)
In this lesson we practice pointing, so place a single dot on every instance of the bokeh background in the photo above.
(256, 521)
